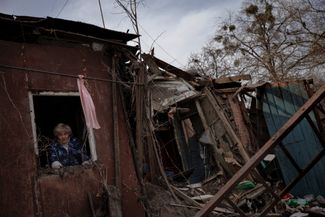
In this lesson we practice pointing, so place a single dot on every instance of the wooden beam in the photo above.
(216, 153)
(197, 204)
(116, 129)
(268, 146)
(117, 154)
(231, 79)
(172, 69)
(139, 96)
(227, 125)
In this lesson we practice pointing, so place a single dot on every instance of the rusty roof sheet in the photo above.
(8, 23)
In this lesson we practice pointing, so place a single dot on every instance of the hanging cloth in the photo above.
(87, 104)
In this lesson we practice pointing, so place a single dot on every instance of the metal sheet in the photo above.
(168, 92)
(279, 104)
(260, 154)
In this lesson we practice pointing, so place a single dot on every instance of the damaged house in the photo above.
(224, 132)
(40, 61)
(209, 147)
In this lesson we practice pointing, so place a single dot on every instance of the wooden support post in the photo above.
(117, 161)
(152, 159)
(134, 153)
(116, 129)
(268, 146)
(139, 92)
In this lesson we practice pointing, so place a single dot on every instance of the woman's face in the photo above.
(63, 137)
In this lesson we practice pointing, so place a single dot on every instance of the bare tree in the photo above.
(130, 8)
(272, 40)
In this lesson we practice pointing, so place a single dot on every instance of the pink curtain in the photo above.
(87, 104)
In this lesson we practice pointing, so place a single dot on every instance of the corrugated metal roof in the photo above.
(279, 104)
(169, 91)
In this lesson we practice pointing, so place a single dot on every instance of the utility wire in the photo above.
(101, 13)
(65, 3)
(165, 51)
(124, 83)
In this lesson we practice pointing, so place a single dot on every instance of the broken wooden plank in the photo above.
(202, 198)
(227, 125)
(216, 153)
(139, 96)
(242, 128)
(268, 146)
(114, 202)
(197, 204)
(231, 79)
(172, 69)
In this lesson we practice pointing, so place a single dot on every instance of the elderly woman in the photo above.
(66, 150)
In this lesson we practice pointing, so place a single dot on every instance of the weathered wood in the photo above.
(314, 161)
(242, 128)
(161, 168)
(227, 125)
(172, 69)
(117, 162)
(216, 153)
(91, 203)
(241, 213)
(153, 164)
(134, 153)
(139, 96)
(232, 79)
(115, 209)
(180, 141)
(268, 146)
(195, 203)
(152, 65)
(117, 158)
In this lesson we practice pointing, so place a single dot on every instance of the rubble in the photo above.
(218, 133)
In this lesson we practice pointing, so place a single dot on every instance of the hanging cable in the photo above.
(124, 83)
(101, 13)
(65, 3)
(164, 50)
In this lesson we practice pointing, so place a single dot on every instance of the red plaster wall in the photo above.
(23, 192)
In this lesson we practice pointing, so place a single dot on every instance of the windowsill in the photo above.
(61, 171)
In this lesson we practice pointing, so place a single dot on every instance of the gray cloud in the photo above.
(183, 26)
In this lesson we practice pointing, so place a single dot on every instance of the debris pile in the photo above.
(225, 147)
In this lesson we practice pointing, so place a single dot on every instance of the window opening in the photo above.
(50, 109)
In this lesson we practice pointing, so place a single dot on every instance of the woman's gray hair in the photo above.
(61, 127)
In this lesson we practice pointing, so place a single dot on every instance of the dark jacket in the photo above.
(74, 155)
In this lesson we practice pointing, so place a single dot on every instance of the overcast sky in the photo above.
(178, 27)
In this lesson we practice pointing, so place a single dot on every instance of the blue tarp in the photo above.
(279, 104)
